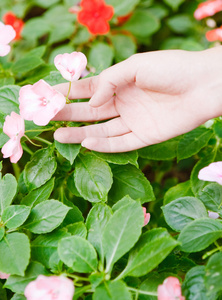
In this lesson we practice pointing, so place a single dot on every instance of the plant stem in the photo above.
(77, 277)
(142, 292)
(26, 149)
(16, 170)
(37, 130)
(30, 141)
(67, 97)
(37, 138)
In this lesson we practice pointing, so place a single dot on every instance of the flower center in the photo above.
(44, 101)
(96, 14)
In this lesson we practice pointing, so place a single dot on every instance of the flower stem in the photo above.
(67, 97)
(37, 138)
(30, 141)
(37, 130)
(16, 170)
(142, 292)
(26, 149)
(77, 277)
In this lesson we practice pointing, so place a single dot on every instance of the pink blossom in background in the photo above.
(71, 66)
(50, 288)
(207, 9)
(14, 127)
(146, 216)
(170, 289)
(214, 34)
(213, 215)
(4, 275)
(40, 102)
(7, 34)
(213, 172)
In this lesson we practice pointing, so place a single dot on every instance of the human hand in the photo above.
(148, 98)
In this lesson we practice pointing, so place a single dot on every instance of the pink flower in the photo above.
(213, 172)
(71, 65)
(208, 8)
(146, 216)
(170, 289)
(40, 102)
(4, 275)
(7, 34)
(214, 34)
(14, 127)
(50, 288)
(213, 215)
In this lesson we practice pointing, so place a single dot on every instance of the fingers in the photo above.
(118, 75)
(101, 88)
(78, 134)
(83, 112)
(127, 142)
(81, 89)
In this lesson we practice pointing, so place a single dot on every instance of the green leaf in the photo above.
(128, 180)
(182, 211)
(180, 23)
(96, 221)
(78, 254)
(93, 177)
(194, 285)
(112, 291)
(54, 78)
(39, 195)
(180, 190)
(15, 249)
(61, 33)
(121, 232)
(26, 64)
(119, 158)
(123, 202)
(197, 184)
(46, 216)
(78, 228)
(8, 187)
(124, 46)
(217, 127)
(45, 246)
(3, 295)
(15, 215)
(17, 283)
(40, 169)
(142, 24)
(151, 249)
(100, 56)
(18, 297)
(74, 214)
(163, 151)
(211, 196)
(69, 151)
(44, 4)
(38, 51)
(199, 234)
(35, 28)
(2, 232)
(123, 7)
(193, 141)
(213, 276)
(9, 99)
(174, 3)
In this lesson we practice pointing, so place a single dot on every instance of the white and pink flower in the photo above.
(7, 34)
(4, 275)
(146, 216)
(170, 289)
(14, 127)
(213, 172)
(40, 102)
(71, 66)
(50, 288)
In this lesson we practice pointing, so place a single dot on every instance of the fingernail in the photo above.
(83, 144)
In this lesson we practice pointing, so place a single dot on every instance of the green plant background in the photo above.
(66, 210)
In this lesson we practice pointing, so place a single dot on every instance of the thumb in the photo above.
(107, 82)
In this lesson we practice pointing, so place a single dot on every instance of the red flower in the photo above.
(207, 9)
(214, 35)
(10, 19)
(95, 15)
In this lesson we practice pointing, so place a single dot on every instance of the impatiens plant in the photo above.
(79, 224)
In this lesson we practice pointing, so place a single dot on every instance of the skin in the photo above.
(147, 99)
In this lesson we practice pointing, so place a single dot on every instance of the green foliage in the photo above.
(65, 210)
